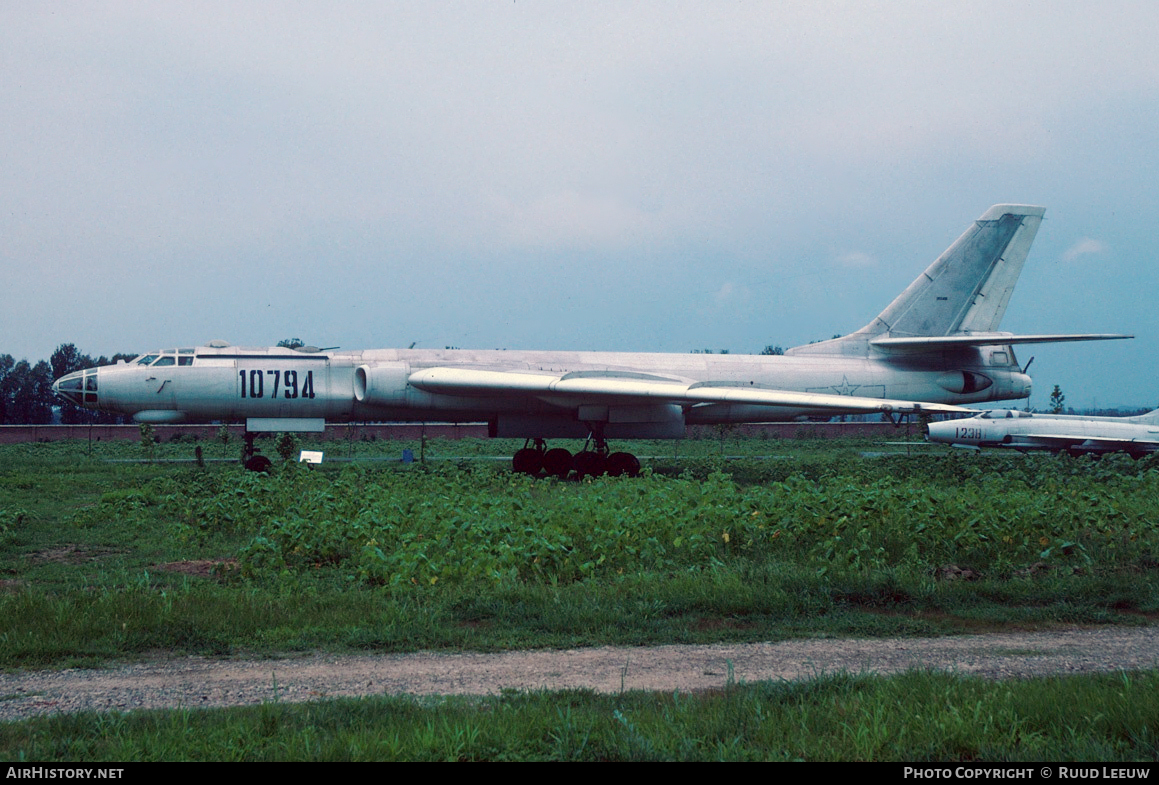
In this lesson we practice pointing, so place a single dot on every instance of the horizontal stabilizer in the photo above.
(588, 388)
(964, 340)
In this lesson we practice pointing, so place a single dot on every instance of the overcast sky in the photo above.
(659, 176)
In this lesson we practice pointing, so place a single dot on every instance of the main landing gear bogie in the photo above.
(592, 461)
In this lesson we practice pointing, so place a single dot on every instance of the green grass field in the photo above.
(918, 717)
(115, 551)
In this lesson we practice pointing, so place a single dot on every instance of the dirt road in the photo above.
(197, 682)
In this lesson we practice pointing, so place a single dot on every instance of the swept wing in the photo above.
(1058, 441)
(642, 388)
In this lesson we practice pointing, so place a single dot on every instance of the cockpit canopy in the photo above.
(166, 357)
(1003, 414)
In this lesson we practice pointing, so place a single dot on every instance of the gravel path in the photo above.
(197, 682)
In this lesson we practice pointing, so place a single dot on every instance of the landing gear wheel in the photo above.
(259, 463)
(557, 462)
(590, 464)
(527, 461)
(623, 464)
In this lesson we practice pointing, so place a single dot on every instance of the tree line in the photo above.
(26, 396)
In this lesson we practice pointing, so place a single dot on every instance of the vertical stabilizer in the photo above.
(969, 286)
(964, 292)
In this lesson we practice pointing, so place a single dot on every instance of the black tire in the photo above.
(527, 461)
(259, 463)
(557, 462)
(590, 464)
(623, 464)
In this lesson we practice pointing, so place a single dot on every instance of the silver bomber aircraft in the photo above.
(933, 349)
(1137, 436)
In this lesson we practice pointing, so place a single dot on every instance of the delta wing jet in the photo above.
(1024, 431)
(933, 349)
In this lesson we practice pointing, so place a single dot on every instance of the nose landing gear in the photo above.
(251, 459)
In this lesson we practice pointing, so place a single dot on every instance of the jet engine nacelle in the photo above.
(963, 382)
(381, 384)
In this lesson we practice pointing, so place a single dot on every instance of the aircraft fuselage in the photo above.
(231, 383)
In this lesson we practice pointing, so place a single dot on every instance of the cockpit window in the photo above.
(71, 387)
(1004, 414)
(167, 357)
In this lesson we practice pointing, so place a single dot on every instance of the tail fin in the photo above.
(969, 286)
(965, 291)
